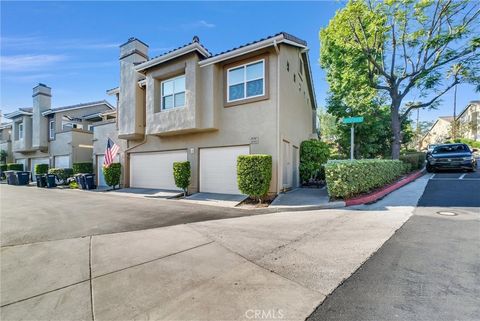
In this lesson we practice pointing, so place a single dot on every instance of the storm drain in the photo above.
(446, 213)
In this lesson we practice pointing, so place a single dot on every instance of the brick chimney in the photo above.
(42, 101)
(131, 104)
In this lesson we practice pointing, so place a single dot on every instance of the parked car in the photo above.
(451, 156)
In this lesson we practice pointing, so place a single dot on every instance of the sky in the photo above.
(73, 46)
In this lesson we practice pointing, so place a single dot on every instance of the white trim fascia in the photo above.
(113, 91)
(174, 54)
(17, 113)
(54, 111)
(247, 49)
(312, 88)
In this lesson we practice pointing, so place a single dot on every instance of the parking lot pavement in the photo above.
(31, 214)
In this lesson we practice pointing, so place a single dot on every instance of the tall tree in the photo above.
(404, 51)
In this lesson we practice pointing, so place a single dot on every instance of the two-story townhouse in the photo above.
(469, 121)
(6, 140)
(439, 132)
(56, 136)
(188, 104)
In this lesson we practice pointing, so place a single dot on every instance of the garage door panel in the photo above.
(62, 161)
(218, 169)
(154, 170)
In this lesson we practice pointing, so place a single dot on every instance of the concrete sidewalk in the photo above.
(282, 265)
(305, 198)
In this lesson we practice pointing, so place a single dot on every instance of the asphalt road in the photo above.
(31, 214)
(429, 270)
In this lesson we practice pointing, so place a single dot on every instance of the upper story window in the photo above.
(246, 81)
(20, 131)
(173, 93)
(51, 129)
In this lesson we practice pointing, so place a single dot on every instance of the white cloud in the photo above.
(18, 63)
(198, 24)
(40, 43)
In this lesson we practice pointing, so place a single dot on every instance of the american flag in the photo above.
(110, 153)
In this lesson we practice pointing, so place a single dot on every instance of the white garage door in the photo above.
(100, 176)
(22, 161)
(154, 170)
(35, 161)
(218, 169)
(62, 161)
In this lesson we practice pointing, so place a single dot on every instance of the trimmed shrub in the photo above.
(254, 173)
(416, 160)
(15, 167)
(41, 169)
(347, 178)
(3, 168)
(112, 174)
(313, 155)
(82, 168)
(63, 174)
(181, 174)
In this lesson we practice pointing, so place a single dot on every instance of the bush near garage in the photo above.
(41, 169)
(416, 160)
(313, 155)
(112, 174)
(82, 168)
(346, 178)
(470, 142)
(254, 173)
(62, 173)
(15, 167)
(3, 168)
(181, 174)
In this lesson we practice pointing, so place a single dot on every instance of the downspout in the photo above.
(279, 171)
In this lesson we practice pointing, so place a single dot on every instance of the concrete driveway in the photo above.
(273, 266)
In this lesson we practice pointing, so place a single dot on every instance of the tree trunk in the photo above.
(396, 129)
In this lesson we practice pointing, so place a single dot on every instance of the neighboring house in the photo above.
(102, 131)
(188, 104)
(439, 132)
(6, 140)
(469, 120)
(56, 136)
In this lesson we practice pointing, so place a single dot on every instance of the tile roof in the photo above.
(27, 109)
(194, 40)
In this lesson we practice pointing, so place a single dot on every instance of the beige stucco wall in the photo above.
(469, 122)
(438, 134)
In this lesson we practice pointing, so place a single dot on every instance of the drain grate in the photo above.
(446, 213)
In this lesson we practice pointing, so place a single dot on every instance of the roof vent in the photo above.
(195, 39)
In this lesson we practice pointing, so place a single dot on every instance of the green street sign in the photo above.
(352, 120)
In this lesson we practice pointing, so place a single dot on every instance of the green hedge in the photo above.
(181, 174)
(41, 169)
(85, 168)
(313, 154)
(416, 160)
(62, 173)
(254, 173)
(349, 178)
(15, 167)
(3, 168)
(112, 174)
(470, 142)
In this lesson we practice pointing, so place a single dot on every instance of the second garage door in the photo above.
(154, 170)
(36, 161)
(218, 169)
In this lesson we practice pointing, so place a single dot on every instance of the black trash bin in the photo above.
(80, 179)
(41, 180)
(23, 178)
(90, 181)
(11, 177)
(50, 178)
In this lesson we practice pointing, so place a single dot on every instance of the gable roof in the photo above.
(20, 112)
(472, 103)
(77, 106)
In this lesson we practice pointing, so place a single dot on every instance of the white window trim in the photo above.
(20, 131)
(51, 131)
(173, 94)
(244, 66)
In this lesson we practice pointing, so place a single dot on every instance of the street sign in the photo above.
(352, 120)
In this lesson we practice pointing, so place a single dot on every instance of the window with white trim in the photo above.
(20, 131)
(173, 93)
(246, 81)
(51, 129)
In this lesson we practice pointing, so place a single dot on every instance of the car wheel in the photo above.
(429, 168)
(473, 169)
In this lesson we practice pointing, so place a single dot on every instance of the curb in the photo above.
(329, 205)
(375, 196)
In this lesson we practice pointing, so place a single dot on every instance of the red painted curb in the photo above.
(372, 197)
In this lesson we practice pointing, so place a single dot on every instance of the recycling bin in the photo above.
(80, 179)
(41, 180)
(50, 178)
(90, 181)
(23, 178)
(11, 177)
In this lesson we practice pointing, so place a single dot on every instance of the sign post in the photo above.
(353, 121)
